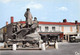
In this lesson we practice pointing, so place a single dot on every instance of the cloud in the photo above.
(63, 8)
(5, 1)
(34, 5)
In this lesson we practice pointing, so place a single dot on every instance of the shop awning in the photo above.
(50, 33)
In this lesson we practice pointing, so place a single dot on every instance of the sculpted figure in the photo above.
(28, 16)
(35, 23)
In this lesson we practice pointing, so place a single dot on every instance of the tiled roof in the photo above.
(54, 23)
(57, 23)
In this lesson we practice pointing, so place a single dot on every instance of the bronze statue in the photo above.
(29, 17)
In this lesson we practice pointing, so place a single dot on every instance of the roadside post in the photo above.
(43, 46)
(56, 45)
(14, 46)
(39, 44)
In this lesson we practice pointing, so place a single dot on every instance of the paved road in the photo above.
(64, 49)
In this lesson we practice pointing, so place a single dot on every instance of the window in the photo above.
(46, 29)
(53, 28)
(40, 28)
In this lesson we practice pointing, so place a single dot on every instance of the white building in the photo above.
(68, 28)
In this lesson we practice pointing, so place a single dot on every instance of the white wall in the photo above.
(58, 28)
(67, 29)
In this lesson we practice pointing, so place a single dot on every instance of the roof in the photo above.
(58, 23)
(53, 23)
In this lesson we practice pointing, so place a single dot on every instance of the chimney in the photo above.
(12, 19)
(6, 23)
(76, 22)
(64, 20)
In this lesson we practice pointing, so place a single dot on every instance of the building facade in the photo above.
(54, 30)
(68, 28)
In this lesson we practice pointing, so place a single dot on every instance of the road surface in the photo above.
(64, 49)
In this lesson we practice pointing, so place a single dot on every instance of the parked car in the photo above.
(75, 38)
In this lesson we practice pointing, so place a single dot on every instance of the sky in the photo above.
(44, 10)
